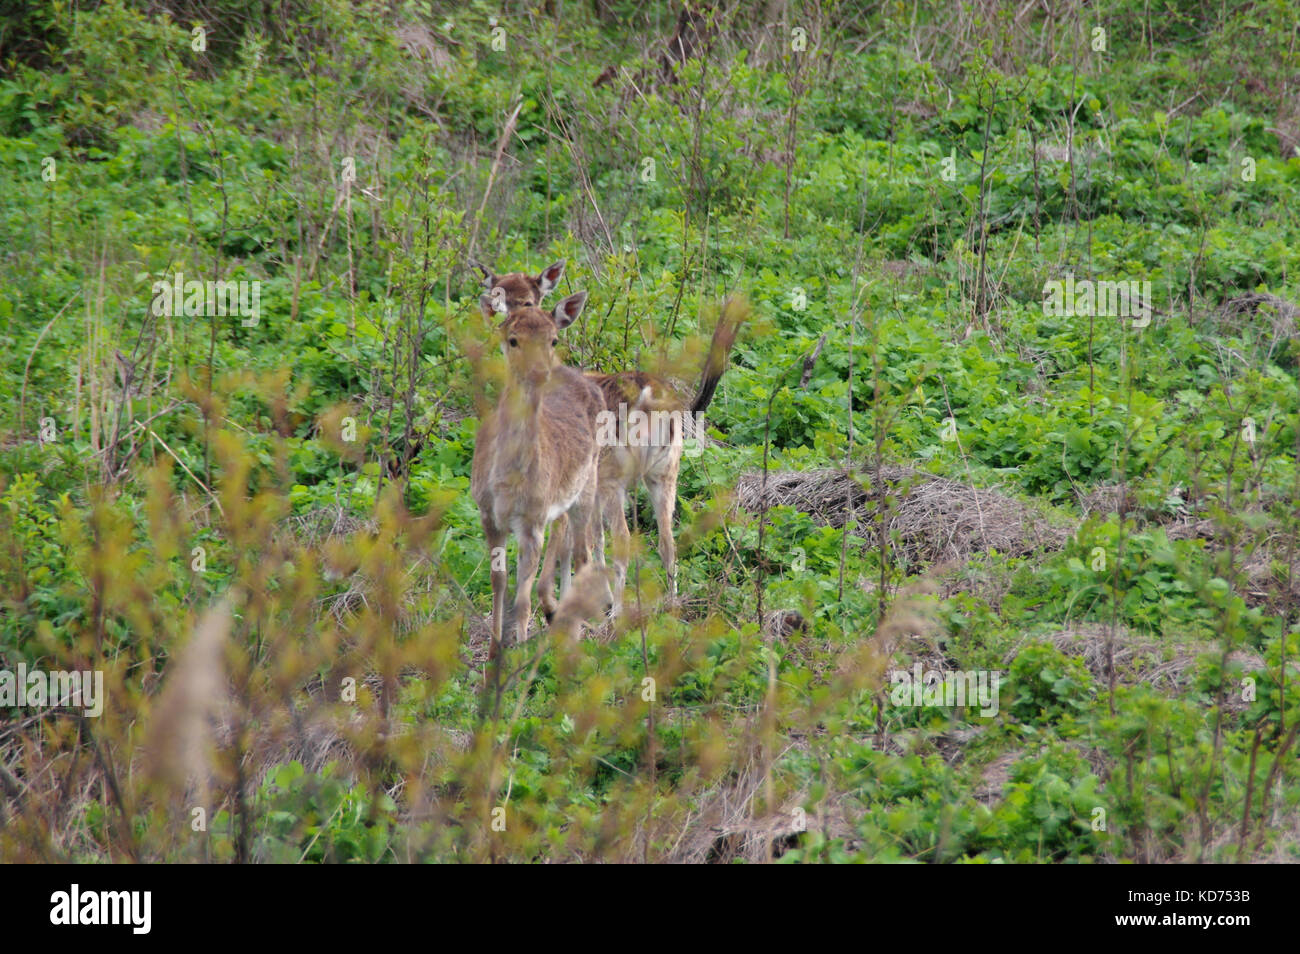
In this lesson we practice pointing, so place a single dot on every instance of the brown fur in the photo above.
(535, 457)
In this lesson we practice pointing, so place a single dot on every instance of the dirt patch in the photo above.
(994, 778)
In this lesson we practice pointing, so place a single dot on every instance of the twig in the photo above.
(506, 132)
(205, 487)
(810, 361)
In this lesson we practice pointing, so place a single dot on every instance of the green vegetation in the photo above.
(256, 525)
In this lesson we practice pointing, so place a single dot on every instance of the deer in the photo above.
(535, 457)
(642, 438)
(653, 459)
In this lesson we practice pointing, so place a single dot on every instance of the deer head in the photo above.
(517, 290)
(529, 335)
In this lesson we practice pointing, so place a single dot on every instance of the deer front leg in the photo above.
(496, 541)
(556, 545)
(663, 495)
(530, 552)
(613, 505)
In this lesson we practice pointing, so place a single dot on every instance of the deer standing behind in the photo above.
(641, 437)
(651, 456)
(535, 457)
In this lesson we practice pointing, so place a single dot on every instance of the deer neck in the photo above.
(520, 415)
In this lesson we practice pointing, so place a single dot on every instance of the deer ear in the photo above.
(550, 277)
(568, 310)
(494, 302)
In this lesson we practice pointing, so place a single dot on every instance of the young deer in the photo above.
(536, 456)
(641, 441)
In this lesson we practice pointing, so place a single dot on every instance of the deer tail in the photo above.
(735, 311)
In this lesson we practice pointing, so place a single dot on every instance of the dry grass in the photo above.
(1270, 320)
(1169, 667)
(930, 519)
(724, 828)
(313, 527)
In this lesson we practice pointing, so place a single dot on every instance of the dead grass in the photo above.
(313, 527)
(1168, 667)
(723, 828)
(1268, 323)
(930, 520)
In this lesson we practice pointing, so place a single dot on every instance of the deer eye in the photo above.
(554, 342)
(514, 342)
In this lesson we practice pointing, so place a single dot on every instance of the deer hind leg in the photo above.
(663, 496)
(662, 487)
(557, 553)
(613, 503)
(573, 556)
(587, 540)
(530, 552)
(592, 546)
